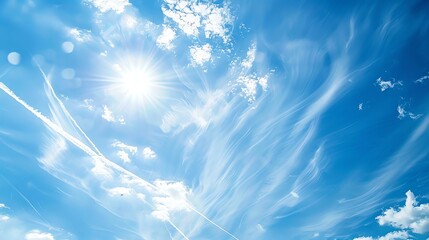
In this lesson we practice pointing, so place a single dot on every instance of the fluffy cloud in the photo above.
(192, 17)
(124, 156)
(384, 85)
(80, 35)
(397, 235)
(110, 117)
(247, 63)
(412, 216)
(148, 153)
(165, 40)
(107, 114)
(2, 205)
(38, 235)
(124, 150)
(103, 6)
(173, 198)
(248, 85)
(4, 218)
(201, 54)
(101, 170)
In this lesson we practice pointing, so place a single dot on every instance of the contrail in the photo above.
(64, 109)
(100, 157)
(210, 221)
(27, 200)
(72, 139)
(178, 230)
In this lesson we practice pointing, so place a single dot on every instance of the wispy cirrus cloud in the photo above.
(108, 170)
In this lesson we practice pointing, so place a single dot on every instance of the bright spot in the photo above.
(137, 83)
(67, 47)
(68, 73)
(128, 21)
(14, 58)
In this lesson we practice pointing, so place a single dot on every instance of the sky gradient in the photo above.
(168, 119)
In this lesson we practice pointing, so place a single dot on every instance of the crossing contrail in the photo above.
(93, 154)
(64, 109)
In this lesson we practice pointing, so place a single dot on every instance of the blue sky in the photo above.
(189, 119)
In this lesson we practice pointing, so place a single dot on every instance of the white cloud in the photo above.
(414, 116)
(101, 170)
(103, 6)
(165, 40)
(173, 198)
(192, 17)
(107, 114)
(121, 120)
(384, 85)
(2, 205)
(14, 58)
(38, 235)
(201, 54)
(88, 104)
(249, 85)
(360, 106)
(263, 82)
(247, 63)
(121, 145)
(124, 150)
(80, 35)
(422, 79)
(412, 216)
(403, 113)
(294, 194)
(4, 218)
(53, 151)
(215, 20)
(110, 117)
(119, 191)
(124, 156)
(397, 235)
(148, 153)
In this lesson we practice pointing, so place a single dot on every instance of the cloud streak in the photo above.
(96, 157)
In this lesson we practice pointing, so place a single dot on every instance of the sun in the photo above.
(137, 83)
